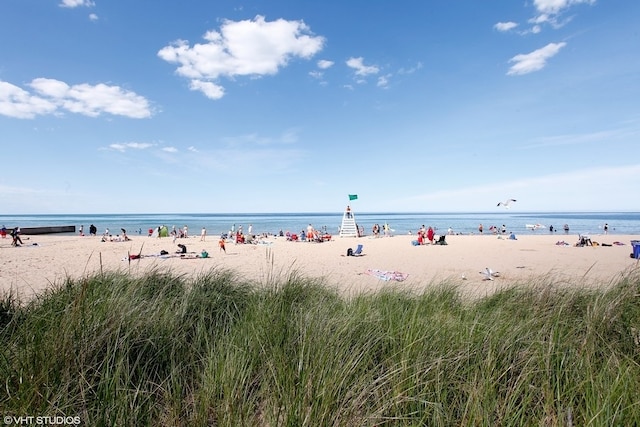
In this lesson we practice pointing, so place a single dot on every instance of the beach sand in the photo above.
(45, 260)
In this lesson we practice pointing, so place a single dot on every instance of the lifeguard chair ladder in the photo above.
(348, 227)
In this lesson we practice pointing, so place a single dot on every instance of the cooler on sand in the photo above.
(636, 248)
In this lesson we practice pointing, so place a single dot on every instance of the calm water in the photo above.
(401, 223)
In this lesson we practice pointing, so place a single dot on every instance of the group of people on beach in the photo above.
(386, 230)
(93, 230)
(14, 233)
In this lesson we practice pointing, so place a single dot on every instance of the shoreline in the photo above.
(466, 223)
(46, 260)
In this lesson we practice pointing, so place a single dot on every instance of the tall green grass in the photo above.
(165, 349)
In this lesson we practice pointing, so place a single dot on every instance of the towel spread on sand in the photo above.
(387, 275)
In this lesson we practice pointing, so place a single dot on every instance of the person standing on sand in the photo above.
(203, 234)
(430, 235)
(606, 228)
(15, 233)
(221, 244)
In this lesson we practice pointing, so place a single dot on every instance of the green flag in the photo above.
(353, 197)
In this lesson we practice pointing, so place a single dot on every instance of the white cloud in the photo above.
(53, 96)
(243, 48)
(18, 103)
(362, 70)
(505, 26)
(383, 81)
(170, 149)
(76, 3)
(210, 89)
(554, 7)
(550, 11)
(93, 17)
(534, 61)
(535, 29)
(324, 64)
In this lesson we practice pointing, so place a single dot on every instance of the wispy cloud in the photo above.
(548, 13)
(383, 81)
(534, 61)
(122, 147)
(505, 26)
(411, 70)
(289, 136)
(625, 132)
(323, 64)
(554, 7)
(76, 3)
(551, 12)
(357, 64)
(580, 189)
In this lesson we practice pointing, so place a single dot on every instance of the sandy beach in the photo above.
(44, 260)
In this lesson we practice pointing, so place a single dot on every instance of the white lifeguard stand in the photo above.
(348, 227)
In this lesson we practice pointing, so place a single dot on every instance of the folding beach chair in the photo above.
(441, 240)
(357, 252)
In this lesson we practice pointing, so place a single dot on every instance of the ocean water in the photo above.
(400, 223)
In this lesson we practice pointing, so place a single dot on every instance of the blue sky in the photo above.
(289, 106)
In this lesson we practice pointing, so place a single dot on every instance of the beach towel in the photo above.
(387, 275)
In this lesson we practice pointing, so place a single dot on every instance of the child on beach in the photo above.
(221, 244)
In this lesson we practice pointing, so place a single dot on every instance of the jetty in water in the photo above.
(30, 231)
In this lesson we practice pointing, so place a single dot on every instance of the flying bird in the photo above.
(506, 203)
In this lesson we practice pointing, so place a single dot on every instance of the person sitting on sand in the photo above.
(182, 249)
(204, 254)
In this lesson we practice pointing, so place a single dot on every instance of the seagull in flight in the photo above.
(506, 203)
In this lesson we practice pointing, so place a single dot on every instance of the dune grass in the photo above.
(164, 349)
